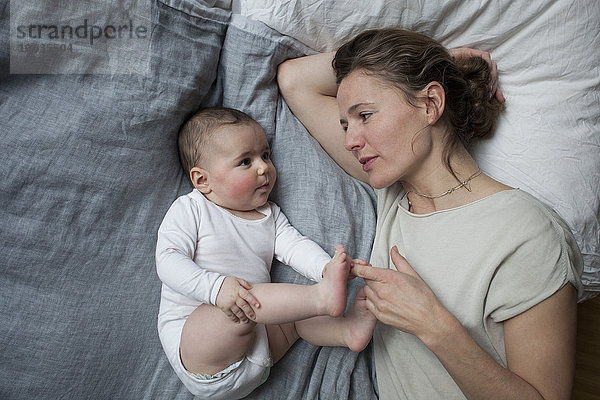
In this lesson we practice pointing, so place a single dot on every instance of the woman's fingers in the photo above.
(370, 273)
(359, 261)
(367, 272)
(465, 52)
(401, 264)
(353, 262)
(499, 95)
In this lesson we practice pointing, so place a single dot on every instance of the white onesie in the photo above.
(199, 244)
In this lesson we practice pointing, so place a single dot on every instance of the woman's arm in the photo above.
(309, 89)
(540, 343)
(544, 337)
(540, 351)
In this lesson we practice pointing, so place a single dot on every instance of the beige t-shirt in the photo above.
(486, 261)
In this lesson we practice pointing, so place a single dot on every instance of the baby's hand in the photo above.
(236, 301)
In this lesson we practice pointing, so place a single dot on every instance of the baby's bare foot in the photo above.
(333, 284)
(360, 322)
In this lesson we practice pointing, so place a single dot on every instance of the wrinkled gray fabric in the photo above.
(90, 166)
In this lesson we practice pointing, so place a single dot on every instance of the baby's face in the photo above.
(241, 173)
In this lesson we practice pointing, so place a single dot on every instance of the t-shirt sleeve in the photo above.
(299, 252)
(543, 259)
(175, 250)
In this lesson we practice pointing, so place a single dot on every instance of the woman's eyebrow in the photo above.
(354, 107)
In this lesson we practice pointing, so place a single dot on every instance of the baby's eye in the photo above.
(245, 162)
(266, 156)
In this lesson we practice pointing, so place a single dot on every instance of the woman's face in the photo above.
(388, 136)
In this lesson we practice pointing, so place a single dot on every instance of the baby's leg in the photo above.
(210, 341)
(282, 302)
(281, 338)
(353, 331)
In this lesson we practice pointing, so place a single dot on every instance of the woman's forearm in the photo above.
(309, 89)
(307, 74)
(539, 343)
(477, 374)
(540, 353)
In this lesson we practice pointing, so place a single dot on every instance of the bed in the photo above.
(90, 166)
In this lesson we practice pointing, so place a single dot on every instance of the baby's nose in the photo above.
(263, 169)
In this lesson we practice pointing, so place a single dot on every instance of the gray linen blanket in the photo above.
(90, 166)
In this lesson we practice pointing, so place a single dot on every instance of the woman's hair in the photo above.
(194, 136)
(410, 61)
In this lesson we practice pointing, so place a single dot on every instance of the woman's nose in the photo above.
(353, 140)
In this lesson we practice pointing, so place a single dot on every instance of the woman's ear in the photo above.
(435, 101)
(199, 179)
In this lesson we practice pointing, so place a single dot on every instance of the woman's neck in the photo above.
(434, 187)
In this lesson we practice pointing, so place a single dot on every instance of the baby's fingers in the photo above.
(244, 284)
(246, 309)
(231, 316)
(248, 297)
(239, 313)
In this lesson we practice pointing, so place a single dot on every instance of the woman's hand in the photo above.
(540, 342)
(465, 52)
(400, 298)
(353, 262)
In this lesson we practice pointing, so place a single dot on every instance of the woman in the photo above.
(476, 290)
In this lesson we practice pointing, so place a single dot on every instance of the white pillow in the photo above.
(548, 140)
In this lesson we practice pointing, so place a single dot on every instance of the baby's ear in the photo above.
(199, 179)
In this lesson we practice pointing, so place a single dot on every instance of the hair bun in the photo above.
(483, 108)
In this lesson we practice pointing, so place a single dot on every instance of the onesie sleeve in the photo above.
(543, 259)
(175, 249)
(299, 252)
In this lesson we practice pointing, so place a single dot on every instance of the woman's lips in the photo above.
(367, 162)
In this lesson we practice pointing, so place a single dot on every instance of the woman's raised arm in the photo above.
(309, 89)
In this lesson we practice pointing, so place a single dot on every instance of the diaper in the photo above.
(234, 382)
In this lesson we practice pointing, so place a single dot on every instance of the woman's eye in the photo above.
(365, 115)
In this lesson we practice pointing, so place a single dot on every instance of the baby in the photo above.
(222, 323)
